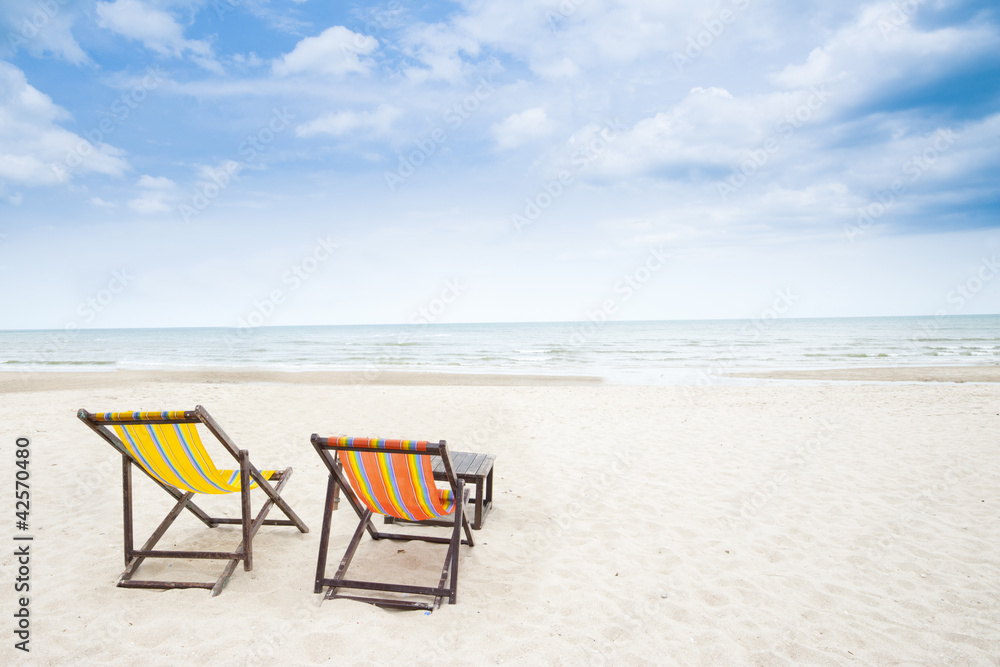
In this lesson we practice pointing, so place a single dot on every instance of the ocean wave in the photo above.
(60, 363)
(647, 348)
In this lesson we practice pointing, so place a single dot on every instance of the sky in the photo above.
(222, 162)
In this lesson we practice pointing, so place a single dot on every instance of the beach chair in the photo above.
(393, 478)
(166, 447)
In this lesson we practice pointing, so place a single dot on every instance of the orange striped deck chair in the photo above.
(167, 447)
(393, 478)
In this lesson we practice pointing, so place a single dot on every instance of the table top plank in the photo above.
(486, 465)
(460, 461)
(465, 464)
(437, 464)
(472, 467)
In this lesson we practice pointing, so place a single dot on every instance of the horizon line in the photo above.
(515, 322)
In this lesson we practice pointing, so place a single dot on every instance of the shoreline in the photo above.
(27, 381)
(882, 374)
(11, 382)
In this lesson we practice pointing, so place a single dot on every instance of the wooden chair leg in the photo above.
(127, 507)
(345, 562)
(324, 536)
(245, 501)
(136, 561)
(461, 521)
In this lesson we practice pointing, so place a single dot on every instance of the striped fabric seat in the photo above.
(173, 453)
(397, 485)
(143, 416)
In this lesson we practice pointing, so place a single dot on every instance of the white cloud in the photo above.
(149, 203)
(439, 49)
(42, 28)
(335, 51)
(156, 196)
(558, 69)
(518, 128)
(101, 203)
(708, 126)
(905, 54)
(248, 61)
(863, 62)
(155, 182)
(34, 149)
(342, 122)
(156, 29)
(556, 38)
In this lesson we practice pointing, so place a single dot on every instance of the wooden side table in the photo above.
(474, 469)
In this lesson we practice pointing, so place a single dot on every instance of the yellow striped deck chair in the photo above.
(167, 447)
(394, 478)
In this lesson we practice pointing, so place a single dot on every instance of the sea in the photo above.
(646, 353)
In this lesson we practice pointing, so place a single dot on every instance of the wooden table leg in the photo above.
(478, 523)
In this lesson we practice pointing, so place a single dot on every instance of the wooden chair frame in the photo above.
(448, 584)
(244, 551)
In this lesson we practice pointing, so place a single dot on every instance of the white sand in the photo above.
(776, 525)
(887, 374)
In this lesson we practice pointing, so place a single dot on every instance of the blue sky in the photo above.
(194, 162)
